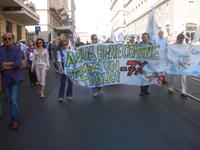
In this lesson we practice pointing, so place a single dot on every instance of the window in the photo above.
(191, 5)
(190, 30)
(167, 8)
(191, 27)
(19, 32)
(8, 26)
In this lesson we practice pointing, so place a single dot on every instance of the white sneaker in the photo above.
(95, 94)
(170, 91)
(100, 93)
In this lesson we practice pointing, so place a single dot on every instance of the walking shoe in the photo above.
(147, 93)
(142, 93)
(95, 94)
(42, 96)
(183, 95)
(170, 91)
(15, 125)
(60, 99)
(69, 98)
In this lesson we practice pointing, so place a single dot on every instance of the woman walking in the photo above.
(28, 60)
(40, 64)
(61, 54)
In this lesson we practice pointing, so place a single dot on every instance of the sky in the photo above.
(92, 16)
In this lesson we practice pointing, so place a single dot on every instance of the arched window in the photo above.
(191, 27)
(168, 29)
(191, 5)
(190, 30)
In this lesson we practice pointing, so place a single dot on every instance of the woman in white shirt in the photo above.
(40, 64)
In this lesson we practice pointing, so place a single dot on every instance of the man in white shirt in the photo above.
(181, 49)
(162, 42)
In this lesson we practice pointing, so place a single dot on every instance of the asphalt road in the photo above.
(120, 120)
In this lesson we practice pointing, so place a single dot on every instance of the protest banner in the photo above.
(184, 59)
(106, 64)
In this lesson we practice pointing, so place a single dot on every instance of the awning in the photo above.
(64, 29)
(24, 16)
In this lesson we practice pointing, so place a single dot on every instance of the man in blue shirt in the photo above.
(10, 62)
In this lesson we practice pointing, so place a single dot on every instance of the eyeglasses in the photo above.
(39, 42)
(95, 39)
(5, 39)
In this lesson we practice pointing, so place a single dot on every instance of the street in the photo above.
(120, 120)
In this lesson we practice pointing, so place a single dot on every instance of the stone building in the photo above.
(54, 17)
(172, 16)
(14, 16)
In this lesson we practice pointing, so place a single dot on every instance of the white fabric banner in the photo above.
(106, 64)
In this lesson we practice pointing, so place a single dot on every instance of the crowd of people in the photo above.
(35, 56)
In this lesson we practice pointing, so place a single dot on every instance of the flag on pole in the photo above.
(152, 27)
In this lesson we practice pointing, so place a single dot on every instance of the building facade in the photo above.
(14, 16)
(71, 14)
(172, 16)
(54, 17)
(117, 16)
(84, 36)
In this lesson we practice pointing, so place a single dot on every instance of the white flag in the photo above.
(152, 27)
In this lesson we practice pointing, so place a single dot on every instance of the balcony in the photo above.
(19, 12)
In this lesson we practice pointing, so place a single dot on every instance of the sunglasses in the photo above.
(94, 39)
(5, 39)
(39, 42)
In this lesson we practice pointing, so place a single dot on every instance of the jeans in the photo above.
(55, 62)
(12, 96)
(62, 86)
